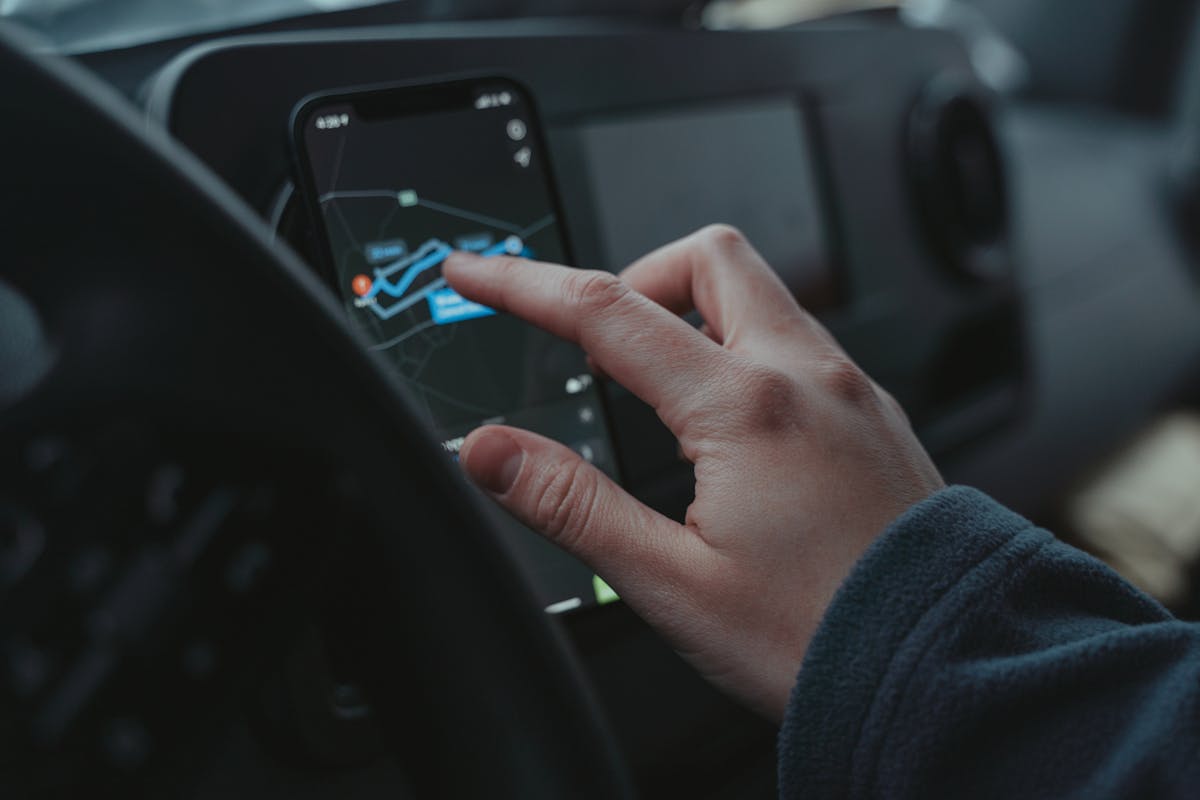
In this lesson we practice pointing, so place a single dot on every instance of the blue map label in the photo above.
(379, 252)
(447, 305)
(474, 242)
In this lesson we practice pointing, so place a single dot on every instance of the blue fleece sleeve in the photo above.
(971, 654)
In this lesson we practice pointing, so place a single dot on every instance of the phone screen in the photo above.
(397, 180)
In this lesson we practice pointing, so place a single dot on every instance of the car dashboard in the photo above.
(847, 152)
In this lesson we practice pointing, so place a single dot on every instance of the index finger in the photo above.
(649, 350)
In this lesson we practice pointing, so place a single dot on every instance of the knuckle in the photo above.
(770, 399)
(564, 503)
(595, 292)
(846, 381)
(722, 237)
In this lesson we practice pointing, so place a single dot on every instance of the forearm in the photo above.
(970, 653)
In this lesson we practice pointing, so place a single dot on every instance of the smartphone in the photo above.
(396, 178)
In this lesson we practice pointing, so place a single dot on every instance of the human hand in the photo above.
(800, 459)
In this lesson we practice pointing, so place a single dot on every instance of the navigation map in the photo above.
(397, 279)
(399, 190)
(392, 245)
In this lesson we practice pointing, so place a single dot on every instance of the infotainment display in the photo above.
(399, 178)
(660, 174)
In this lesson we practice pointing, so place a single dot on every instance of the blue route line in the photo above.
(397, 290)
(428, 256)
(408, 302)
(439, 254)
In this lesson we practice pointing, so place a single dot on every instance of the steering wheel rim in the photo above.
(153, 293)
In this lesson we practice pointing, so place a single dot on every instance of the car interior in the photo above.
(235, 559)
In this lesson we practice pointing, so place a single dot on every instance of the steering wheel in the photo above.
(198, 455)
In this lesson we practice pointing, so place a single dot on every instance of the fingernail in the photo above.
(494, 461)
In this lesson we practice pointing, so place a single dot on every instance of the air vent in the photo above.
(959, 179)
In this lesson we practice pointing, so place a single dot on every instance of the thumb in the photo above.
(550, 488)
